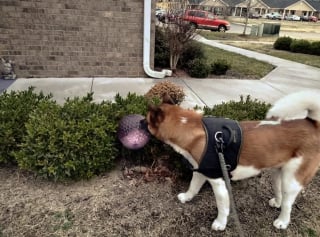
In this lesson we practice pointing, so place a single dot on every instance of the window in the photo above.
(201, 14)
(191, 13)
(210, 16)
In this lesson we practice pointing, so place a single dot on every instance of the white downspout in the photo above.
(146, 44)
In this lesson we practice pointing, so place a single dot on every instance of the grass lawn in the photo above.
(255, 44)
(312, 60)
(239, 63)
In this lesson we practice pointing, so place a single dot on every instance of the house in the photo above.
(239, 7)
(78, 38)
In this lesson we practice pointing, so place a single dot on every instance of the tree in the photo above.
(178, 34)
(247, 17)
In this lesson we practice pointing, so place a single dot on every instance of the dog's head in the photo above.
(156, 116)
(167, 121)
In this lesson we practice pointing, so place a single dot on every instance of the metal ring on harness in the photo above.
(218, 139)
(218, 136)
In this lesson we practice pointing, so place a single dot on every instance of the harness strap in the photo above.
(219, 146)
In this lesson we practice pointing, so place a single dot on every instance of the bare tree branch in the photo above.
(178, 33)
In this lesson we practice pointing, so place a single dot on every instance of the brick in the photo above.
(38, 68)
(33, 10)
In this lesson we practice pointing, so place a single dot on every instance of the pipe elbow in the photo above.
(156, 74)
(146, 45)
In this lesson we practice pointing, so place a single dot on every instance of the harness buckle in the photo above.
(218, 136)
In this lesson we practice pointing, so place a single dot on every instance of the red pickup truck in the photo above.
(206, 20)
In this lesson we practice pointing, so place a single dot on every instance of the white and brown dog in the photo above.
(288, 145)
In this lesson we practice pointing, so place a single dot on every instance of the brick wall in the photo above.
(73, 38)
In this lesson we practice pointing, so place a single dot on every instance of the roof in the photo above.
(233, 2)
(285, 3)
(279, 4)
(314, 3)
(194, 1)
(271, 3)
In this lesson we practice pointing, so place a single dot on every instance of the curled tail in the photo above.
(304, 104)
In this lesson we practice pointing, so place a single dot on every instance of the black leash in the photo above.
(224, 168)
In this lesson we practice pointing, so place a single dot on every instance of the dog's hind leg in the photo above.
(223, 203)
(276, 185)
(196, 183)
(290, 187)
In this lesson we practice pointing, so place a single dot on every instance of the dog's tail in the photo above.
(304, 104)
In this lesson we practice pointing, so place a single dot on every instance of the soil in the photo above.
(140, 201)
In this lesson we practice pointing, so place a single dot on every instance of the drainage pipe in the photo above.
(146, 44)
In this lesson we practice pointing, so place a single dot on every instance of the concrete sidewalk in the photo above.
(286, 78)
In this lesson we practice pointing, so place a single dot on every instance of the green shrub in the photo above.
(245, 109)
(300, 46)
(283, 43)
(76, 140)
(15, 108)
(198, 68)
(131, 104)
(220, 67)
(315, 48)
(297, 45)
(191, 51)
(162, 50)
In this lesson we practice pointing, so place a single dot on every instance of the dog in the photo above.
(287, 144)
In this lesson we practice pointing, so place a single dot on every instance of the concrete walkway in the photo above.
(286, 78)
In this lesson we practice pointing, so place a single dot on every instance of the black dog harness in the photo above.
(230, 132)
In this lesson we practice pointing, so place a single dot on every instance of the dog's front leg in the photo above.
(195, 185)
(223, 203)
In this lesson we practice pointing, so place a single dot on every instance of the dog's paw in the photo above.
(274, 203)
(218, 225)
(280, 224)
(184, 197)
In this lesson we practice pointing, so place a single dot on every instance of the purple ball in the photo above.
(133, 132)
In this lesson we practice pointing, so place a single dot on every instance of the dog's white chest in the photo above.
(185, 153)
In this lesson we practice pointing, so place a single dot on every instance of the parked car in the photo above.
(309, 18)
(206, 20)
(292, 18)
(274, 16)
(253, 15)
(313, 18)
(304, 18)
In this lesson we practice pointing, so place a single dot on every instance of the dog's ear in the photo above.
(155, 115)
(166, 98)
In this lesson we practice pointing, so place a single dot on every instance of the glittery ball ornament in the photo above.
(133, 131)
